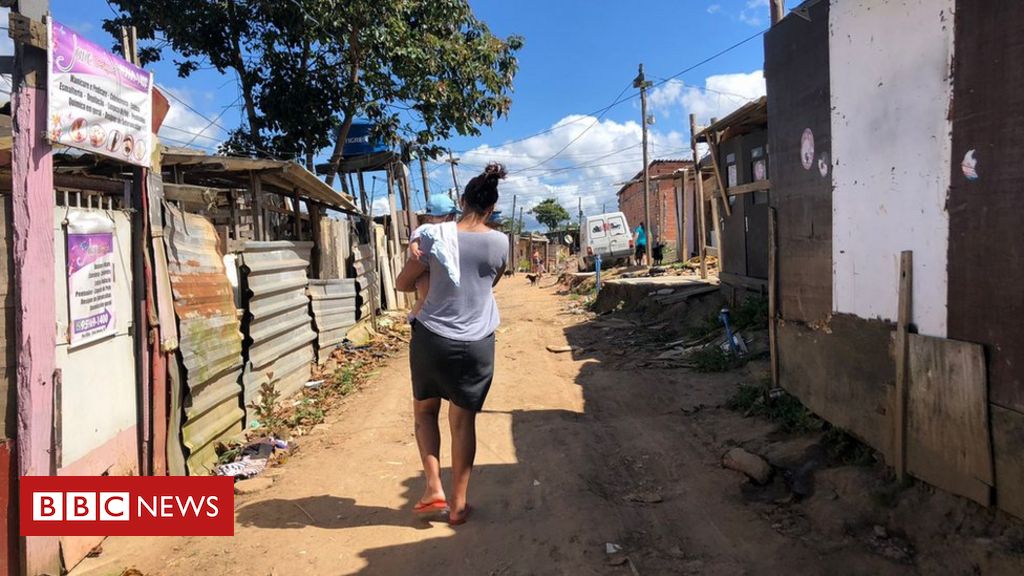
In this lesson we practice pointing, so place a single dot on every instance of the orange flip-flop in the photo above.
(462, 520)
(430, 507)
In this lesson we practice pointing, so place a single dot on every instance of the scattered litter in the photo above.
(242, 469)
(253, 485)
(314, 384)
(536, 482)
(610, 548)
(557, 349)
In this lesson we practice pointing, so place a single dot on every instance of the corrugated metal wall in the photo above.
(278, 326)
(211, 341)
(334, 311)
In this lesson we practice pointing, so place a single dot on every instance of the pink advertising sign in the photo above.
(97, 101)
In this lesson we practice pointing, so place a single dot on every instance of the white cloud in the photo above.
(720, 95)
(754, 12)
(714, 9)
(603, 154)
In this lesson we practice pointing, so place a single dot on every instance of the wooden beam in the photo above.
(743, 281)
(904, 312)
(758, 186)
(189, 193)
(713, 150)
(91, 183)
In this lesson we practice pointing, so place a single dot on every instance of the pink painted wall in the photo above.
(32, 219)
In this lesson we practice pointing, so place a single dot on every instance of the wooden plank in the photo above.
(201, 195)
(713, 149)
(899, 412)
(948, 439)
(758, 186)
(743, 281)
(773, 337)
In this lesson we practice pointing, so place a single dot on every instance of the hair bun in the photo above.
(495, 171)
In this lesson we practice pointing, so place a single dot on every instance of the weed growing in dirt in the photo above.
(713, 359)
(752, 314)
(267, 410)
(781, 408)
(844, 449)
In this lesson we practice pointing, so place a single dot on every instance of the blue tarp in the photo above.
(358, 142)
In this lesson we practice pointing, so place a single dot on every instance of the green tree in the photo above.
(418, 70)
(550, 213)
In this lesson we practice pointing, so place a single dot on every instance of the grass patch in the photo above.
(782, 408)
(713, 359)
(845, 449)
(752, 314)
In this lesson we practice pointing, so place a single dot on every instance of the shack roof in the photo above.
(746, 119)
(278, 176)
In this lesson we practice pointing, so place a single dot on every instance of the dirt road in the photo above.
(574, 453)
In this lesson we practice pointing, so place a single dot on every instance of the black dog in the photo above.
(533, 278)
(658, 253)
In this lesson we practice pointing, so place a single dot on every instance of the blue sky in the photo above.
(579, 55)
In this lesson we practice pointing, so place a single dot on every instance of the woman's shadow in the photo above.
(329, 511)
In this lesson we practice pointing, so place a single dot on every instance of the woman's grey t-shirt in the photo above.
(466, 312)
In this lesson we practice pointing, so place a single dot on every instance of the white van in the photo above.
(608, 235)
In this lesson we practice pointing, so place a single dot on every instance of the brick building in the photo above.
(665, 204)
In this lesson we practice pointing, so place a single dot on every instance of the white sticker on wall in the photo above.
(970, 165)
(823, 164)
(807, 149)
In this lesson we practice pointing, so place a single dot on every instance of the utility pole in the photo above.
(454, 161)
(426, 183)
(778, 11)
(643, 84)
(512, 236)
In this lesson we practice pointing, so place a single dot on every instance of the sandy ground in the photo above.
(566, 446)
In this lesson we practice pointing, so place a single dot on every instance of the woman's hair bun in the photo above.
(496, 171)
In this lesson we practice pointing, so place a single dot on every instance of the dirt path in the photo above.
(563, 445)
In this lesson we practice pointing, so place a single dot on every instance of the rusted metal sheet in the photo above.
(334, 311)
(210, 345)
(278, 328)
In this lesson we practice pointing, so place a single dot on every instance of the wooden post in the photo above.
(426, 183)
(773, 338)
(904, 314)
(512, 238)
(396, 243)
(684, 251)
(778, 11)
(259, 232)
(33, 258)
(716, 225)
(318, 249)
(297, 213)
(699, 182)
(362, 193)
(233, 199)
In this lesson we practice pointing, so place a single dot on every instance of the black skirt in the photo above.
(457, 371)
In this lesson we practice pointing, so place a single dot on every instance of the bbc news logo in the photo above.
(127, 506)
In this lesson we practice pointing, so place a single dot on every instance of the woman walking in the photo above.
(452, 350)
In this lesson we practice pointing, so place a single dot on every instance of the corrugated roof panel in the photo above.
(210, 337)
(279, 330)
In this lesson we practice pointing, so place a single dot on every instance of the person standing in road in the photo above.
(640, 241)
(451, 355)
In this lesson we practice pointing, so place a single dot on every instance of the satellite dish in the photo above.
(568, 239)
